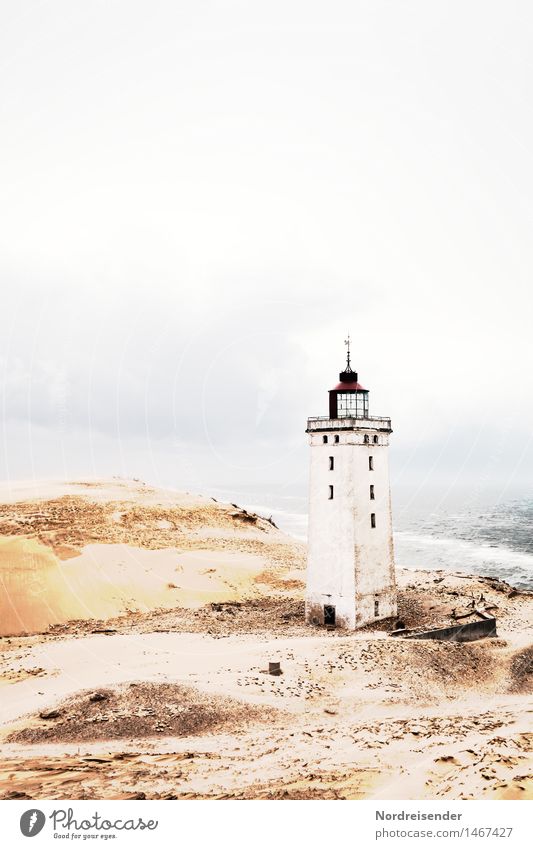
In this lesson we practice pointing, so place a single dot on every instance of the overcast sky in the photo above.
(199, 200)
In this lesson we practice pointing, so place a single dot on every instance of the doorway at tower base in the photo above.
(351, 613)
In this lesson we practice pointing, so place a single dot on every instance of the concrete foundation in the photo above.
(455, 633)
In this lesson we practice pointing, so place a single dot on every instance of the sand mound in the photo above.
(33, 590)
(139, 710)
(87, 555)
(105, 581)
(521, 671)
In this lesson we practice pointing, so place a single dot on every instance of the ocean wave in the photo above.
(431, 552)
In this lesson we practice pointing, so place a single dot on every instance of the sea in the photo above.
(480, 536)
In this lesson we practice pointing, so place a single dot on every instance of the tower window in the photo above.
(376, 607)
(331, 464)
(336, 437)
(366, 438)
(372, 518)
(330, 496)
(372, 496)
(325, 438)
(375, 439)
(371, 464)
(352, 404)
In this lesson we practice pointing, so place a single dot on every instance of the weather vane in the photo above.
(347, 343)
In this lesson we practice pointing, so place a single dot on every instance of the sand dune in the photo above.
(104, 581)
(78, 562)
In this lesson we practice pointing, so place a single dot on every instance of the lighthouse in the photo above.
(350, 564)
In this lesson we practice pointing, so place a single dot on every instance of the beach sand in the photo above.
(138, 626)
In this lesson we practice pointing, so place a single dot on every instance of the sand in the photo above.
(120, 547)
(152, 691)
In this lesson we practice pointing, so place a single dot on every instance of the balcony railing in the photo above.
(326, 423)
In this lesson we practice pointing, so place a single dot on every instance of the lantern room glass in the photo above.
(352, 405)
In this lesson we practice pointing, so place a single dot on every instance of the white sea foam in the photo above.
(432, 552)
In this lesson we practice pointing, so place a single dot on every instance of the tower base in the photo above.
(349, 613)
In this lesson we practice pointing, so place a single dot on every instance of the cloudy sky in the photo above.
(199, 200)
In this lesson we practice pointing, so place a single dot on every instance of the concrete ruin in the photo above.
(465, 633)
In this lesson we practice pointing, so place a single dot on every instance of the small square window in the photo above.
(372, 519)
(376, 439)
(336, 437)
(371, 464)
(325, 438)
(366, 440)
(376, 607)
(372, 496)
(330, 493)
(331, 464)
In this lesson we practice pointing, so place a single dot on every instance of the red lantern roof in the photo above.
(349, 387)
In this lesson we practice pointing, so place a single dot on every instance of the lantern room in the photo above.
(348, 399)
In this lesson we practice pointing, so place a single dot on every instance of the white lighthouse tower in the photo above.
(350, 566)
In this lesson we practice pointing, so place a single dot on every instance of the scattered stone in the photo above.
(50, 714)
(98, 697)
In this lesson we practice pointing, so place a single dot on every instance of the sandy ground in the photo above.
(162, 692)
